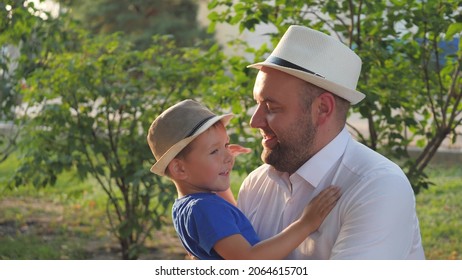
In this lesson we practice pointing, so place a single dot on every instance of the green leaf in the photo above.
(453, 29)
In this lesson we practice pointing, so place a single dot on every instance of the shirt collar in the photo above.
(314, 170)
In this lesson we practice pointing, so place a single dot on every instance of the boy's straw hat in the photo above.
(176, 127)
(319, 59)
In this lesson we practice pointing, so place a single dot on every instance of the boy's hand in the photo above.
(236, 149)
(317, 210)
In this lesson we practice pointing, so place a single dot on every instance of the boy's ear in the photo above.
(177, 169)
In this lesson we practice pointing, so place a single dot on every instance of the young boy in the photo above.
(191, 147)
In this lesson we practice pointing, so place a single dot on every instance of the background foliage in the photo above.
(28, 36)
(412, 56)
(82, 94)
(140, 20)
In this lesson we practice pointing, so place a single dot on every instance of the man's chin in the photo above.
(269, 157)
(280, 162)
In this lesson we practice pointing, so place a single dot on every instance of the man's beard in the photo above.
(292, 151)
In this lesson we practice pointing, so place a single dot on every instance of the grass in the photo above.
(59, 222)
(68, 221)
(440, 214)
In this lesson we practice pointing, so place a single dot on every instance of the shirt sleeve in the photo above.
(211, 221)
(378, 221)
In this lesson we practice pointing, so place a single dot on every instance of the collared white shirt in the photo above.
(375, 217)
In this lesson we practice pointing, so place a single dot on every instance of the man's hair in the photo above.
(343, 106)
(309, 92)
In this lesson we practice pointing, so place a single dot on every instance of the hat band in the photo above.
(201, 123)
(284, 63)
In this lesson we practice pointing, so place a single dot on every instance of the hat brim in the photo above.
(160, 166)
(353, 96)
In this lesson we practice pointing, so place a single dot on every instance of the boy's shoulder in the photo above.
(202, 202)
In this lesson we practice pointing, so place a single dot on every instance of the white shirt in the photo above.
(375, 217)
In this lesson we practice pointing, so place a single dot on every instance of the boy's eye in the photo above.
(214, 151)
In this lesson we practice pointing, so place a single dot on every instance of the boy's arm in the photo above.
(279, 246)
(238, 248)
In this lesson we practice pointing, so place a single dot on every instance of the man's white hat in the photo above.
(319, 59)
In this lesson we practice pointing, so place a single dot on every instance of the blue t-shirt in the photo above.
(202, 219)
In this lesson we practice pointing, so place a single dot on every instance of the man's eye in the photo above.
(214, 151)
(271, 108)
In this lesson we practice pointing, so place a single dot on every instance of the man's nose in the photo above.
(258, 118)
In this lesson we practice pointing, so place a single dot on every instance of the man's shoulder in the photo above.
(256, 179)
(361, 156)
(260, 173)
(262, 170)
(365, 164)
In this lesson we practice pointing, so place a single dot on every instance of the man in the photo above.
(303, 92)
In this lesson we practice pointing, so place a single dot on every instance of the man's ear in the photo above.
(177, 169)
(325, 105)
